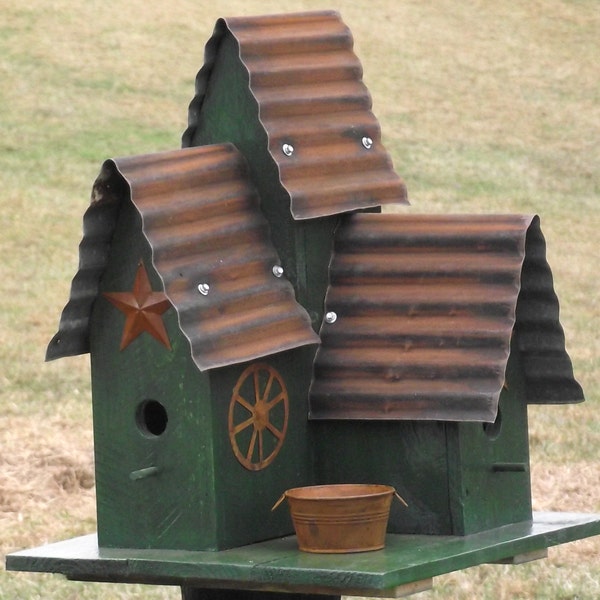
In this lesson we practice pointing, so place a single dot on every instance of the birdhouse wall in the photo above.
(411, 456)
(314, 243)
(229, 114)
(153, 422)
(489, 462)
(255, 462)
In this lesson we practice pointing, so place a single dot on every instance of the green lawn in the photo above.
(485, 107)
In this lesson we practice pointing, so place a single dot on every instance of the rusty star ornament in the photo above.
(143, 309)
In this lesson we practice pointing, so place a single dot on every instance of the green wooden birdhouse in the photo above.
(201, 286)
(178, 299)
(447, 328)
(255, 323)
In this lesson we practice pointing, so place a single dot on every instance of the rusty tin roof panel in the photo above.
(315, 109)
(202, 219)
(426, 307)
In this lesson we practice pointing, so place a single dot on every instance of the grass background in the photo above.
(485, 106)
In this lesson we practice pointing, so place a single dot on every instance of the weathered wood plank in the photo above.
(277, 565)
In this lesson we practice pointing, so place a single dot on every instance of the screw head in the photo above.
(287, 149)
(204, 288)
(367, 142)
(278, 271)
(330, 317)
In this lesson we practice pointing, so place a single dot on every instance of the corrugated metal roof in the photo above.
(426, 307)
(315, 109)
(202, 219)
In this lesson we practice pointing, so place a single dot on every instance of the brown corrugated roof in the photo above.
(426, 307)
(315, 110)
(202, 219)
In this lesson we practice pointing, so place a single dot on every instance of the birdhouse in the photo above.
(256, 323)
(447, 328)
(178, 297)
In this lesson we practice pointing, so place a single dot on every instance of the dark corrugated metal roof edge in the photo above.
(426, 306)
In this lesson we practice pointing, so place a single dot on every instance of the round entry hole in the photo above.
(152, 418)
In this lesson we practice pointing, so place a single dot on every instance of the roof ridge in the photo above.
(403, 341)
(176, 171)
(335, 86)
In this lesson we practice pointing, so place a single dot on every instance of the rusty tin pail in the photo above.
(340, 518)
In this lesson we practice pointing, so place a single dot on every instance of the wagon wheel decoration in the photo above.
(258, 416)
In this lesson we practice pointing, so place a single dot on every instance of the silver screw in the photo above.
(330, 317)
(277, 271)
(204, 288)
(367, 142)
(287, 149)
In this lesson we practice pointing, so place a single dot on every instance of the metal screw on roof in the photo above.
(287, 149)
(204, 288)
(278, 271)
(367, 142)
(330, 317)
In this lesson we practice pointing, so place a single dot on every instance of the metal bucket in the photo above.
(340, 518)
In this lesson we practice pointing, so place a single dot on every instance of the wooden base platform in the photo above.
(407, 564)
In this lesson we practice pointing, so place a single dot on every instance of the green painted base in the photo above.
(277, 565)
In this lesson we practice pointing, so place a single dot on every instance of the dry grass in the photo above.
(485, 106)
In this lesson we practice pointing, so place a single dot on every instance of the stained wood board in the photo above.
(278, 565)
